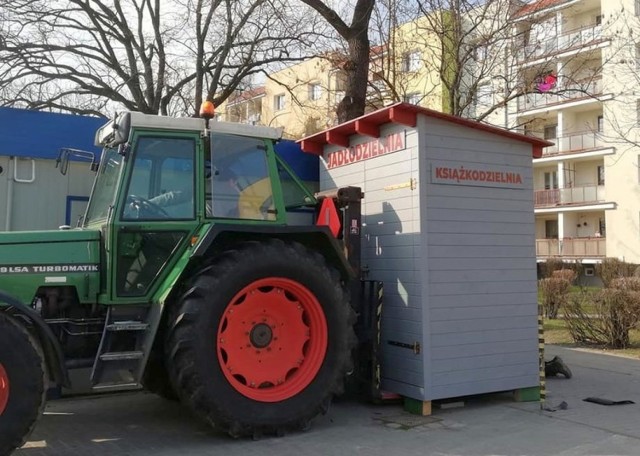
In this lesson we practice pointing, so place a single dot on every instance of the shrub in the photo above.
(567, 274)
(549, 266)
(555, 291)
(612, 268)
(604, 317)
(626, 283)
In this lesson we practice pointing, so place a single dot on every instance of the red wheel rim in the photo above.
(272, 339)
(4, 389)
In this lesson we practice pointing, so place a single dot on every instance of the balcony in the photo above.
(574, 143)
(573, 39)
(572, 247)
(562, 94)
(588, 194)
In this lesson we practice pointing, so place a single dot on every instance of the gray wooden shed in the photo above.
(448, 226)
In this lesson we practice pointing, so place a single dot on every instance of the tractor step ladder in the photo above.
(118, 356)
(124, 348)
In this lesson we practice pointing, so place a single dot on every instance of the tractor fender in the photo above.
(318, 238)
(51, 349)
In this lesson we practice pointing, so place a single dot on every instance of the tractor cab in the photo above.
(162, 180)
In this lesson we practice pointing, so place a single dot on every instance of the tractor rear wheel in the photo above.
(21, 384)
(261, 340)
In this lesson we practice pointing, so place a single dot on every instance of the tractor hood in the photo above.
(30, 260)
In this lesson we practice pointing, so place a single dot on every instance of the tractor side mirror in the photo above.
(62, 162)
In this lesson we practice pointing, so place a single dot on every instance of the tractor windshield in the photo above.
(104, 187)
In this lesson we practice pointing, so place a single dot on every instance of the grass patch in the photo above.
(556, 332)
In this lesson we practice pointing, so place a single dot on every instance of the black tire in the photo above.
(194, 360)
(156, 378)
(23, 366)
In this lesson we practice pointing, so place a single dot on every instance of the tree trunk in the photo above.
(356, 69)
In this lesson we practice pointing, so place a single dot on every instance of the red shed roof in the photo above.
(403, 114)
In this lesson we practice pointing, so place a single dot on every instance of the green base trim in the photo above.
(417, 407)
(527, 394)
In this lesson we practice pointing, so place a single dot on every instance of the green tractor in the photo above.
(198, 272)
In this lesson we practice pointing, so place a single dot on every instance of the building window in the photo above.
(602, 227)
(600, 174)
(600, 123)
(599, 19)
(254, 119)
(413, 98)
(315, 91)
(480, 53)
(551, 229)
(637, 7)
(278, 102)
(551, 131)
(550, 180)
(484, 95)
(411, 61)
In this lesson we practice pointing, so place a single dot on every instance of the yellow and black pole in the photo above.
(543, 392)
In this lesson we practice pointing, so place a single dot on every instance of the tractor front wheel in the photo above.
(261, 339)
(21, 384)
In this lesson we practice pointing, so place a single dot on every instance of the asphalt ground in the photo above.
(131, 424)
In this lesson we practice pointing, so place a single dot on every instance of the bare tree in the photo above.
(154, 56)
(474, 59)
(356, 66)
(467, 45)
(439, 53)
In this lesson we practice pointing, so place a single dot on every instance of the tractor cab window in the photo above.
(162, 181)
(105, 186)
(240, 186)
(294, 191)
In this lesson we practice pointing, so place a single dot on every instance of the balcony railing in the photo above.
(575, 142)
(561, 94)
(572, 247)
(547, 247)
(573, 39)
(571, 195)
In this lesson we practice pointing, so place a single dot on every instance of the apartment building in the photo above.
(243, 107)
(302, 98)
(403, 69)
(578, 62)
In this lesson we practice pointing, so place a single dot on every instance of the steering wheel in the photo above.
(144, 208)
